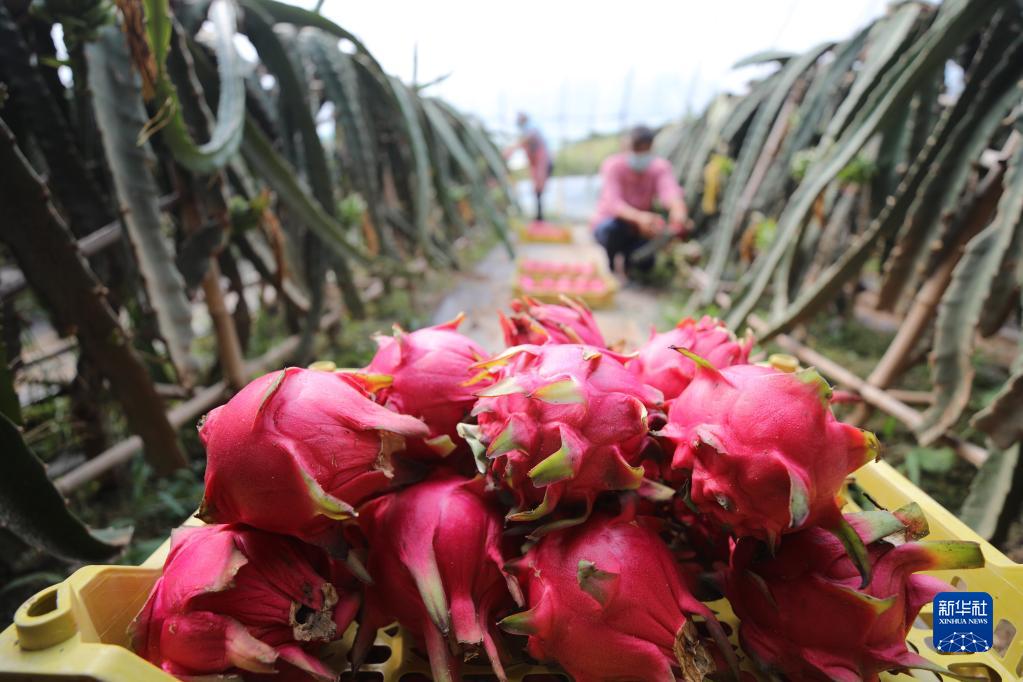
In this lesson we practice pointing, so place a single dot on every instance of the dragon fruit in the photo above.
(780, 599)
(657, 364)
(295, 451)
(233, 598)
(563, 423)
(532, 322)
(437, 564)
(765, 452)
(606, 601)
(423, 374)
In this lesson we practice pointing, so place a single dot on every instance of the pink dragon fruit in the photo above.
(423, 374)
(780, 600)
(766, 454)
(607, 602)
(295, 451)
(533, 322)
(437, 565)
(667, 370)
(233, 598)
(564, 423)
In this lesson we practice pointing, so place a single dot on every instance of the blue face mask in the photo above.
(640, 161)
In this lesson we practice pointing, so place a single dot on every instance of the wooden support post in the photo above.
(925, 304)
(180, 415)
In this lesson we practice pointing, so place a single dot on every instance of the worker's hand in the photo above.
(682, 229)
(649, 224)
(678, 216)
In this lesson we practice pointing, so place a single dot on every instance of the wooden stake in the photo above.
(180, 415)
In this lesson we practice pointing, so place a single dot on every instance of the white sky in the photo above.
(569, 63)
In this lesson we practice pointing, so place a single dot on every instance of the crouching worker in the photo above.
(625, 220)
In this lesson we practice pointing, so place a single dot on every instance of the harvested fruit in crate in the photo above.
(657, 362)
(534, 322)
(551, 450)
(436, 550)
(553, 268)
(422, 374)
(237, 597)
(577, 286)
(543, 232)
(272, 457)
(607, 602)
(553, 504)
(549, 280)
(780, 598)
(787, 454)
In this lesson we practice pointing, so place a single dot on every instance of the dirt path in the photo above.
(488, 288)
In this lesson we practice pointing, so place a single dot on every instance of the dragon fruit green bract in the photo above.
(294, 451)
(766, 454)
(437, 566)
(667, 370)
(780, 600)
(564, 423)
(607, 602)
(533, 322)
(233, 598)
(424, 374)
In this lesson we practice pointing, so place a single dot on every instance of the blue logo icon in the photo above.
(963, 622)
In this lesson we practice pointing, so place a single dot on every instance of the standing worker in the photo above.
(630, 182)
(533, 143)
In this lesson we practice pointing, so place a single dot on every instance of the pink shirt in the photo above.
(620, 185)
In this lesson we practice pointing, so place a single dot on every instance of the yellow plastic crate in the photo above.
(561, 234)
(77, 629)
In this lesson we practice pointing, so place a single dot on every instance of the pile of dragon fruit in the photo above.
(545, 278)
(558, 502)
(594, 285)
(538, 267)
